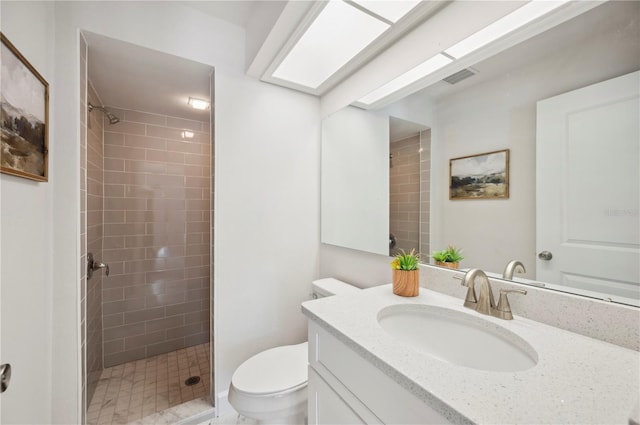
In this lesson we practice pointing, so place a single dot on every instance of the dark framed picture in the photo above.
(24, 123)
(482, 176)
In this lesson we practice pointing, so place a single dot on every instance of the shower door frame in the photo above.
(82, 382)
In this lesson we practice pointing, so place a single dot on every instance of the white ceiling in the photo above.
(400, 129)
(132, 77)
(236, 12)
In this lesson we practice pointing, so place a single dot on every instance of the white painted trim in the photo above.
(224, 407)
(81, 408)
(280, 33)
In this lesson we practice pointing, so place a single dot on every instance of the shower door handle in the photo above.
(93, 265)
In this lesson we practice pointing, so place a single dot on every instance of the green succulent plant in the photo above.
(449, 255)
(404, 261)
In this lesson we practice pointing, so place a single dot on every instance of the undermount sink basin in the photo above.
(458, 338)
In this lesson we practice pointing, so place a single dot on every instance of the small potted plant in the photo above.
(406, 278)
(449, 257)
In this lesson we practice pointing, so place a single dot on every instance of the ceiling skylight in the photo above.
(520, 17)
(338, 34)
(389, 10)
(425, 68)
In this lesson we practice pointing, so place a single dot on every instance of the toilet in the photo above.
(271, 387)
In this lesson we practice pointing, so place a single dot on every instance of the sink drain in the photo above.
(192, 380)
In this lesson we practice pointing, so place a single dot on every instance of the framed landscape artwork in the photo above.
(24, 123)
(482, 176)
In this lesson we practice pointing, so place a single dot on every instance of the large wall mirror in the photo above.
(386, 171)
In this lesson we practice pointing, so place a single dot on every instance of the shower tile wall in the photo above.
(156, 239)
(404, 205)
(94, 242)
(425, 193)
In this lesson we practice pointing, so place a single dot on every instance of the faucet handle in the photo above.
(503, 310)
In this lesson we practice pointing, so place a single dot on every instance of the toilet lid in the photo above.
(274, 370)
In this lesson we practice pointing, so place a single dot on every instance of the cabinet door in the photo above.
(325, 405)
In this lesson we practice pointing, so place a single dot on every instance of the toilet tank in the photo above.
(330, 286)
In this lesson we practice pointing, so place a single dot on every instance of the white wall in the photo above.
(267, 217)
(267, 191)
(25, 240)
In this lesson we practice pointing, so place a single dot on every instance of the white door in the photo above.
(588, 185)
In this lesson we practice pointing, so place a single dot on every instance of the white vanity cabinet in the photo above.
(360, 373)
(345, 388)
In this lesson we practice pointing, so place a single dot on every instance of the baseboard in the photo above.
(223, 406)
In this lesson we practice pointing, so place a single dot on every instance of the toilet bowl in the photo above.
(271, 387)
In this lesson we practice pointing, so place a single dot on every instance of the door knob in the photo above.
(93, 265)
(5, 377)
(545, 255)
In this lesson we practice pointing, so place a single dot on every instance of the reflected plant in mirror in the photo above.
(449, 257)
(565, 102)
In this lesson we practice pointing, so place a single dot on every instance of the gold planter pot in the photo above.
(406, 283)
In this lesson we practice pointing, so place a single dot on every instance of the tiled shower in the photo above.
(156, 236)
(409, 181)
(146, 212)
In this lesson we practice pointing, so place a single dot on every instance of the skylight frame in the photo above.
(312, 47)
(382, 9)
(504, 26)
(406, 79)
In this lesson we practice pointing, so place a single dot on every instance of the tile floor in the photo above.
(131, 391)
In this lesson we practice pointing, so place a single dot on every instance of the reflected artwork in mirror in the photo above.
(499, 107)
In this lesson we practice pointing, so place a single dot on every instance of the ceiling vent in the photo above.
(460, 75)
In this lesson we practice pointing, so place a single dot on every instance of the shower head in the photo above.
(112, 118)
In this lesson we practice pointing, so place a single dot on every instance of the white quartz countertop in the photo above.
(576, 380)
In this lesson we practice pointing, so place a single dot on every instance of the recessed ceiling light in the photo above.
(198, 103)
(338, 34)
(425, 68)
(187, 134)
(389, 10)
(516, 19)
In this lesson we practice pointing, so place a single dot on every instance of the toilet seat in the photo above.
(279, 370)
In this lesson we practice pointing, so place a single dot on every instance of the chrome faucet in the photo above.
(514, 266)
(483, 301)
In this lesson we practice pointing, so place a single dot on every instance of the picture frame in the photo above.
(480, 176)
(24, 119)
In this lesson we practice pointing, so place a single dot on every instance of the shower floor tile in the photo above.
(131, 391)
